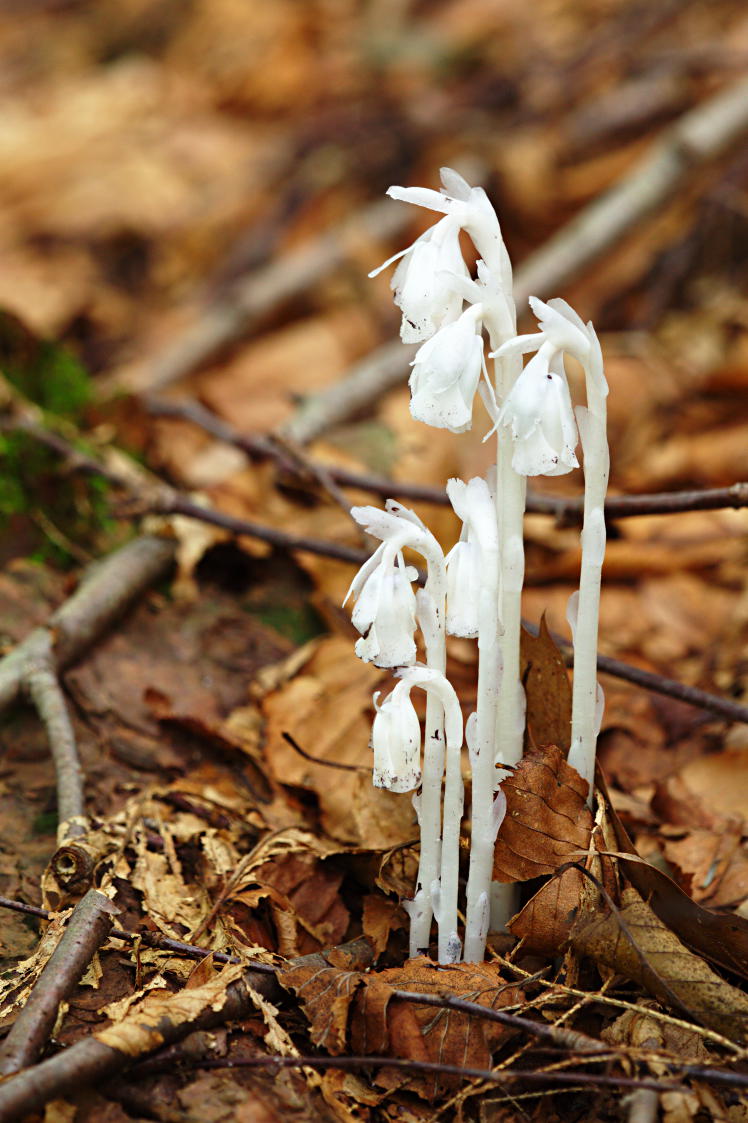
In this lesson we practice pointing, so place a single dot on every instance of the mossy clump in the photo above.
(45, 513)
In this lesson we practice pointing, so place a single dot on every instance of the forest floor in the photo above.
(191, 197)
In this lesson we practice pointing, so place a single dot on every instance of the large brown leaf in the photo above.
(721, 938)
(634, 942)
(381, 1023)
(547, 689)
(547, 819)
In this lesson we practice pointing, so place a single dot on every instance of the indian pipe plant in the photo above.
(475, 590)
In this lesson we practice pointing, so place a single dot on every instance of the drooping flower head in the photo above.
(472, 562)
(385, 610)
(538, 409)
(431, 284)
(446, 372)
(396, 733)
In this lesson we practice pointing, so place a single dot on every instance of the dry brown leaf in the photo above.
(545, 923)
(327, 710)
(720, 938)
(635, 943)
(17, 983)
(713, 866)
(381, 1023)
(547, 819)
(384, 1023)
(312, 914)
(255, 390)
(547, 689)
(325, 994)
(141, 1030)
(380, 916)
(640, 1029)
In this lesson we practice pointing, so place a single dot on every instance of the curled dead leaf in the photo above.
(547, 689)
(635, 943)
(547, 819)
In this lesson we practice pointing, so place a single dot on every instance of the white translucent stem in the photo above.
(511, 503)
(592, 424)
(430, 823)
(504, 903)
(450, 865)
(430, 816)
(510, 508)
(482, 834)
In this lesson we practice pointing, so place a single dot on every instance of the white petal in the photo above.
(519, 345)
(445, 411)
(396, 741)
(421, 282)
(454, 185)
(421, 197)
(463, 579)
(566, 333)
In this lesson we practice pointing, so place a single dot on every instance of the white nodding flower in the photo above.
(422, 283)
(470, 208)
(400, 527)
(538, 408)
(463, 578)
(396, 741)
(429, 282)
(472, 562)
(385, 610)
(539, 413)
(446, 372)
(396, 733)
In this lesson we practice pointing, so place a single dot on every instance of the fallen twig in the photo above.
(33, 666)
(659, 684)
(172, 503)
(700, 135)
(158, 1020)
(557, 1035)
(146, 939)
(257, 294)
(566, 510)
(364, 383)
(86, 931)
(467, 1072)
(44, 690)
(105, 591)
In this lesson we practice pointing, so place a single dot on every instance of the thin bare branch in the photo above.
(34, 665)
(93, 1059)
(219, 324)
(659, 684)
(176, 504)
(106, 590)
(700, 135)
(147, 939)
(566, 510)
(86, 931)
(44, 690)
(466, 1072)
(364, 383)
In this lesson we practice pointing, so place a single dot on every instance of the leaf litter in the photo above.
(208, 826)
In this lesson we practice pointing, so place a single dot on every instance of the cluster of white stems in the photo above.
(474, 591)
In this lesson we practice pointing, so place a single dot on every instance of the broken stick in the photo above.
(86, 931)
